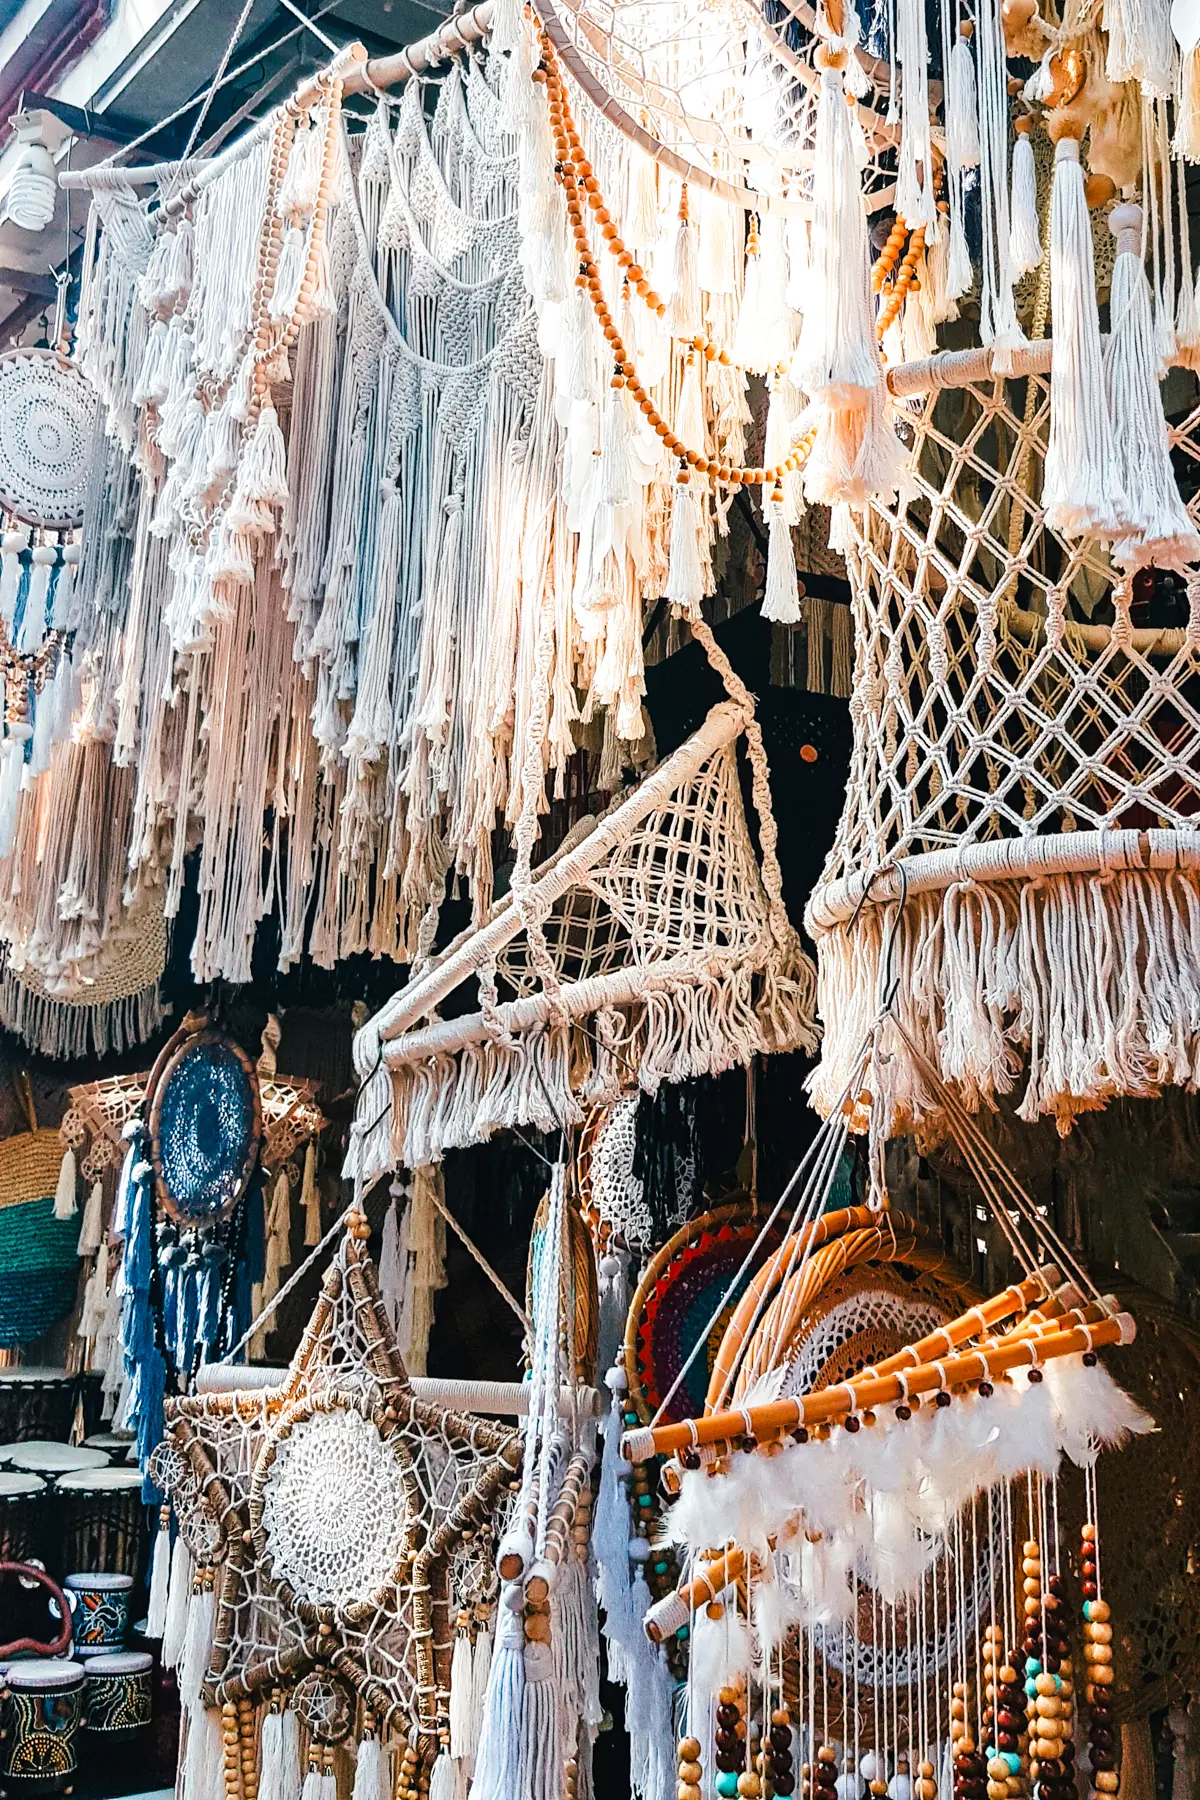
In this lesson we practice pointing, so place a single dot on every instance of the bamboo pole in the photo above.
(832, 1405)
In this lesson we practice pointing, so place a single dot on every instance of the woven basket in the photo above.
(39, 1258)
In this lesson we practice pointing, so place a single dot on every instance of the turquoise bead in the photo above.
(1032, 1666)
(1013, 1761)
(1031, 1687)
(1087, 1609)
(660, 1568)
(643, 1499)
(683, 1632)
(726, 1784)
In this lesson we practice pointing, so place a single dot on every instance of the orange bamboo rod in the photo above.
(833, 1404)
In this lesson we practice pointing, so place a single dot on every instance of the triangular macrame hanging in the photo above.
(651, 947)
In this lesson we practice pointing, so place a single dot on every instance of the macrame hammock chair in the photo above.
(648, 948)
(867, 1506)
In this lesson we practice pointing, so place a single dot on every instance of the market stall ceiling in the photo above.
(174, 62)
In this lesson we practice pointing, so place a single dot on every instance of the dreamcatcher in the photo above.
(333, 1564)
(868, 1501)
(190, 1212)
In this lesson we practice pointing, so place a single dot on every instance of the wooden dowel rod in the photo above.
(833, 1404)
(989, 1312)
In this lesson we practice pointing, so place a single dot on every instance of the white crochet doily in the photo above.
(865, 1321)
(49, 412)
(335, 1513)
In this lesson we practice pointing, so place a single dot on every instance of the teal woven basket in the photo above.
(39, 1266)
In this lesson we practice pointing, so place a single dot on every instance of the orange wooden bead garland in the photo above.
(890, 309)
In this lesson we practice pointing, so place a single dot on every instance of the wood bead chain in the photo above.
(230, 1750)
(1005, 1717)
(1097, 1656)
(889, 256)
(730, 1740)
(890, 309)
(574, 173)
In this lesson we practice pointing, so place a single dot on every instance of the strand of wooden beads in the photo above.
(690, 1769)
(970, 1766)
(247, 1747)
(889, 256)
(231, 1751)
(406, 1779)
(575, 175)
(730, 1739)
(1097, 1655)
(1006, 1763)
(776, 1764)
(890, 308)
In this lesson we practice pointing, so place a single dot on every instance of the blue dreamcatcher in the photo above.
(191, 1210)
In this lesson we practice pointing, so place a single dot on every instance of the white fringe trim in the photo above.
(674, 1033)
(1080, 987)
(66, 1030)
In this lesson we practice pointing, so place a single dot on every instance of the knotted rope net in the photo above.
(1025, 779)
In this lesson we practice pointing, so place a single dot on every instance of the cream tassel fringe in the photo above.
(1025, 243)
(13, 544)
(370, 1772)
(310, 1198)
(64, 1193)
(685, 569)
(178, 1600)
(781, 598)
(1164, 533)
(684, 316)
(1187, 108)
(1081, 490)
(160, 1577)
(92, 1229)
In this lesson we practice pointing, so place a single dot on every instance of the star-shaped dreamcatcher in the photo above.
(356, 1522)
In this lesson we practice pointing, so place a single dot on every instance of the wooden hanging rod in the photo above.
(359, 75)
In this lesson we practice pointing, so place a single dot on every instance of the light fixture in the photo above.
(33, 188)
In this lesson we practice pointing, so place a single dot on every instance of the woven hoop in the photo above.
(49, 414)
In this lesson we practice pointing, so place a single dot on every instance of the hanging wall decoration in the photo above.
(49, 419)
(354, 1531)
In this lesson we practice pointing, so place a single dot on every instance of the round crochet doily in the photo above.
(329, 1495)
(49, 413)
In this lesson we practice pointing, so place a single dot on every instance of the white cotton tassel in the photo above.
(684, 316)
(33, 624)
(641, 200)
(391, 1263)
(202, 1776)
(1162, 532)
(262, 477)
(289, 1756)
(962, 109)
(179, 1593)
(464, 1720)
(271, 1755)
(443, 1778)
(197, 1644)
(319, 1784)
(1081, 489)
(837, 359)
(481, 1663)
(781, 597)
(1140, 45)
(617, 480)
(300, 188)
(12, 546)
(92, 1228)
(717, 234)
(310, 1198)
(160, 1576)
(1025, 242)
(685, 569)
(289, 273)
(959, 274)
(12, 768)
(689, 409)
(764, 334)
(369, 1771)
(64, 1193)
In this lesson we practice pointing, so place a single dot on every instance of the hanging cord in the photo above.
(213, 85)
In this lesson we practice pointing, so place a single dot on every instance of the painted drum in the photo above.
(40, 1456)
(100, 1518)
(119, 1692)
(22, 1516)
(99, 1603)
(42, 1708)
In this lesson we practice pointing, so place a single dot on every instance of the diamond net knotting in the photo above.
(1025, 775)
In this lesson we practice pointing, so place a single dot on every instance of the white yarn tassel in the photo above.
(500, 1756)
(781, 598)
(310, 1198)
(717, 233)
(262, 476)
(202, 1776)
(12, 546)
(641, 201)
(289, 1756)
(64, 1193)
(962, 110)
(1081, 490)
(617, 479)
(765, 332)
(684, 318)
(464, 1719)
(370, 1772)
(1025, 240)
(92, 1228)
(289, 273)
(160, 1577)
(197, 1644)
(837, 361)
(481, 1665)
(1163, 534)
(443, 1779)
(685, 569)
(179, 1593)
(319, 1784)
(1140, 45)
(270, 1768)
(391, 1266)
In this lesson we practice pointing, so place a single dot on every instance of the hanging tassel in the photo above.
(271, 1752)
(1025, 242)
(1186, 144)
(289, 1756)
(179, 1592)
(310, 1198)
(962, 109)
(64, 1193)
(1163, 534)
(685, 316)
(641, 200)
(91, 1231)
(391, 1266)
(617, 484)
(443, 1778)
(369, 1771)
(837, 361)
(959, 274)
(689, 409)
(1187, 314)
(464, 1720)
(685, 571)
(262, 476)
(481, 1664)
(160, 1576)
(320, 1783)
(202, 1775)
(1081, 490)
(33, 622)
(1140, 45)
(197, 1639)
(781, 597)
(13, 545)
(716, 243)
(764, 336)
(289, 273)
